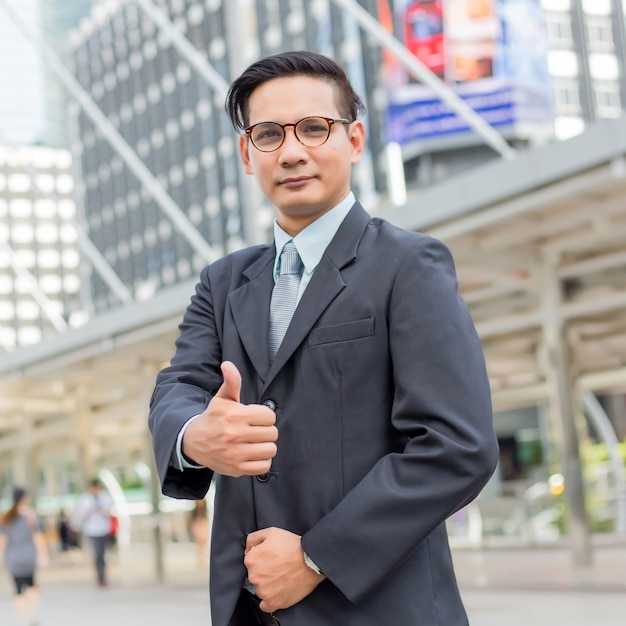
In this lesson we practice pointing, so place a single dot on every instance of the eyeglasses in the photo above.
(309, 131)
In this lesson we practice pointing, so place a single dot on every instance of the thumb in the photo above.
(231, 387)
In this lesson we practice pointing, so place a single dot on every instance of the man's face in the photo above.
(302, 183)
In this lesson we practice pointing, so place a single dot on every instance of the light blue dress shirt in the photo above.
(311, 243)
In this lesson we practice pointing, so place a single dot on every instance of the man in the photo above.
(92, 517)
(340, 449)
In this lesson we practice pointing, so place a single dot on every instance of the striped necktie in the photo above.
(284, 296)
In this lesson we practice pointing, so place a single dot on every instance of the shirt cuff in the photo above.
(308, 561)
(179, 461)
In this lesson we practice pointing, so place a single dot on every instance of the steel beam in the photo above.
(180, 221)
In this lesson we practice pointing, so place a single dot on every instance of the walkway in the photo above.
(507, 587)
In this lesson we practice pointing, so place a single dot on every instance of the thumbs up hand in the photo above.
(231, 438)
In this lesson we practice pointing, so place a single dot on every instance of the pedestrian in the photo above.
(92, 517)
(67, 536)
(23, 548)
(343, 437)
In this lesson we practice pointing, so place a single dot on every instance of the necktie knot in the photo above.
(290, 261)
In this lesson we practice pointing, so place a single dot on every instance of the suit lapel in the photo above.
(250, 305)
(325, 284)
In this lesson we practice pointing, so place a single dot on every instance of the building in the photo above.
(56, 19)
(587, 61)
(39, 260)
(175, 122)
(22, 111)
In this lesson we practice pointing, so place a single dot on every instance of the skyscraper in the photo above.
(22, 111)
(176, 123)
(39, 259)
(587, 61)
(56, 19)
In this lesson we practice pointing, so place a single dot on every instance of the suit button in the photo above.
(270, 404)
(263, 478)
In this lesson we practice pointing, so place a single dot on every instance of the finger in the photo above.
(258, 453)
(231, 387)
(266, 607)
(258, 415)
(261, 434)
(254, 539)
(254, 468)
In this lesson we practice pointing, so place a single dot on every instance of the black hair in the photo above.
(294, 63)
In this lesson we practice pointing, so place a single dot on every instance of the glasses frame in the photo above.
(329, 120)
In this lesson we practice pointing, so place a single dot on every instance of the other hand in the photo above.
(275, 561)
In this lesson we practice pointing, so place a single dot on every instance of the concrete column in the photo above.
(563, 413)
(149, 372)
(84, 444)
(25, 466)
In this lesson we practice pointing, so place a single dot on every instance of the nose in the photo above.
(292, 149)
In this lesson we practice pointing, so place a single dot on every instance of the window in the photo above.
(566, 97)
(608, 102)
(559, 30)
(599, 33)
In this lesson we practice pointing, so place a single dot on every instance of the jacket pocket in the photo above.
(342, 332)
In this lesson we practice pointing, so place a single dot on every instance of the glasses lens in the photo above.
(267, 136)
(312, 131)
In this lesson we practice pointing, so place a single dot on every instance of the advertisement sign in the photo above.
(423, 33)
(493, 53)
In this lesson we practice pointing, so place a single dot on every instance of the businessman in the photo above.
(331, 382)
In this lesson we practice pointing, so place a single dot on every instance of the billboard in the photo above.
(493, 53)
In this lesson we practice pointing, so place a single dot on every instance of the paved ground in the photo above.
(539, 587)
(501, 587)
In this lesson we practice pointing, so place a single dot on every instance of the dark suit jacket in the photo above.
(384, 417)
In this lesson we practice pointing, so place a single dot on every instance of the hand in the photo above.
(275, 561)
(231, 438)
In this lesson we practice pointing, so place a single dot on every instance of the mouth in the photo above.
(295, 181)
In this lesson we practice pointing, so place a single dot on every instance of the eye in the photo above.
(313, 127)
(267, 132)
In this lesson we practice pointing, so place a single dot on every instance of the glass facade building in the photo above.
(587, 60)
(175, 122)
(39, 261)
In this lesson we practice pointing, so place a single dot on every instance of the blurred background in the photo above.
(497, 126)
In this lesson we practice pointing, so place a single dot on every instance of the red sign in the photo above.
(423, 32)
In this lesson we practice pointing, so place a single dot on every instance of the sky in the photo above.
(22, 107)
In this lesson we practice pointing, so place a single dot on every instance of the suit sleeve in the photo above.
(184, 389)
(442, 405)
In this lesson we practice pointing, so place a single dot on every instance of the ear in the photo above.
(357, 141)
(244, 152)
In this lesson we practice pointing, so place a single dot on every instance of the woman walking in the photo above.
(23, 548)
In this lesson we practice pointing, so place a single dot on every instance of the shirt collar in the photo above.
(312, 242)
